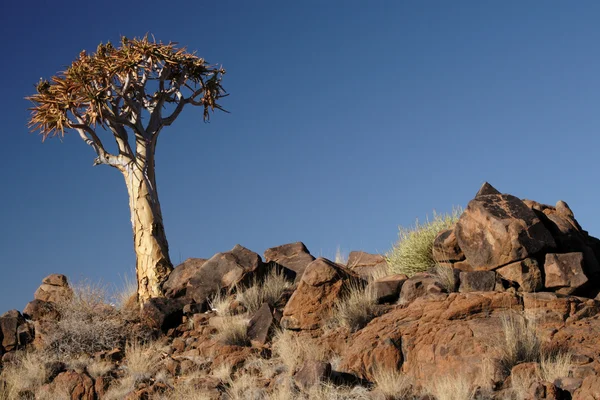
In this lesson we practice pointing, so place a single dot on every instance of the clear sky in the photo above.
(348, 118)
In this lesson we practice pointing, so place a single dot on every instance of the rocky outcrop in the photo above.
(55, 288)
(293, 256)
(367, 265)
(320, 287)
(176, 284)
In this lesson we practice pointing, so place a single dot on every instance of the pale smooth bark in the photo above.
(150, 242)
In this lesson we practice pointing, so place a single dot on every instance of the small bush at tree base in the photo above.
(414, 250)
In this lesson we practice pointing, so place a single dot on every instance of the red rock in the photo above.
(312, 373)
(564, 272)
(293, 256)
(38, 310)
(498, 229)
(176, 284)
(260, 325)
(319, 289)
(525, 273)
(224, 271)
(486, 189)
(54, 288)
(387, 289)
(366, 265)
(419, 285)
(79, 386)
(589, 390)
(162, 313)
(446, 248)
(9, 324)
(547, 391)
(477, 281)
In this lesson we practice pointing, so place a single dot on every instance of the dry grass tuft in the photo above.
(27, 373)
(555, 365)
(356, 307)
(413, 251)
(340, 258)
(392, 384)
(245, 387)
(294, 351)
(233, 330)
(221, 303)
(521, 343)
(141, 361)
(267, 290)
(445, 274)
(450, 387)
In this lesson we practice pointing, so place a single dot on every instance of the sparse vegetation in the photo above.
(520, 342)
(267, 290)
(233, 330)
(554, 365)
(413, 251)
(293, 351)
(451, 387)
(356, 307)
(445, 275)
(392, 384)
(221, 303)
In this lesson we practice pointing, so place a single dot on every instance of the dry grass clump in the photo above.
(245, 387)
(450, 387)
(26, 374)
(233, 330)
(356, 307)
(520, 341)
(88, 324)
(555, 365)
(141, 360)
(340, 258)
(445, 274)
(293, 351)
(392, 384)
(267, 290)
(413, 251)
(220, 303)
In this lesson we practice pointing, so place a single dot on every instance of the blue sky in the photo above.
(348, 118)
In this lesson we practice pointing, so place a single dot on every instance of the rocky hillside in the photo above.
(510, 311)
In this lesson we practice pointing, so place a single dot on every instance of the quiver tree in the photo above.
(131, 93)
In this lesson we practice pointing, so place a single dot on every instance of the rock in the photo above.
(260, 326)
(433, 336)
(367, 265)
(54, 288)
(162, 313)
(38, 309)
(319, 289)
(446, 248)
(387, 289)
(486, 189)
(293, 256)
(564, 272)
(78, 386)
(569, 384)
(224, 271)
(312, 373)
(9, 324)
(477, 281)
(525, 273)
(419, 285)
(589, 390)
(498, 229)
(176, 283)
(547, 391)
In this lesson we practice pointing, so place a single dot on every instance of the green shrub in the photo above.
(413, 251)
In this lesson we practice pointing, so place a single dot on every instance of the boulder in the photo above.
(366, 265)
(312, 373)
(486, 189)
(589, 390)
(224, 271)
(546, 391)
(320, 287)
(176, 283)
(564, 272)
(419, 285)
(162, 313)
(54, 288)
(446, 248)
(78, 386)
(38, 310)
(477, 281)
(9, 325)
(525, 273)
(498, 229)
(430, 337)
(260, 326)
(387, 289)
(293, 256)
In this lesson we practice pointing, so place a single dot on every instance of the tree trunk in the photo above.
(153, 264)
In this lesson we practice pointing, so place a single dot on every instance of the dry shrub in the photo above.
(119, 389)
(340, 257)
(554, 365)
(450, 387)
(520, 341)
(233, 330)
(392, 384)
(294, 351)
(267, 290)
(245, 387)
(141, 360)
(414, 250)
(88, 324)
(27, 373)
(327, 391)
(97, 368)
(355, 308)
